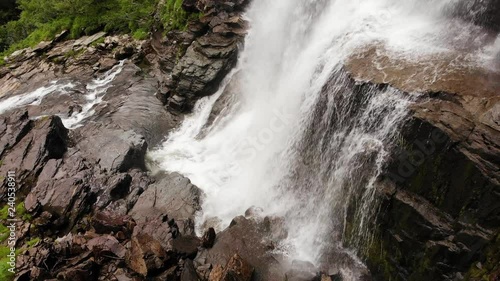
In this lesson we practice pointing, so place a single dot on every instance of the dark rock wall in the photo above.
(480, 12)
(440, 211)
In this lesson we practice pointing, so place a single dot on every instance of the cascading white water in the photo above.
(95, 92)
(300, 138)
(35, 97)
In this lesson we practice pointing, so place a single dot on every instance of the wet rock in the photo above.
(301, 271)
(210, 57)
(198, 75)
(245, 237)
(106, 64)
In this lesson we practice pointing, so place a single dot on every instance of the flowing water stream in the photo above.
(300, 138)
(93, 94)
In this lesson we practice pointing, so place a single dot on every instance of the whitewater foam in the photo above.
(303, 139)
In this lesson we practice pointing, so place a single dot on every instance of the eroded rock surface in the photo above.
(76, 121)
(440, 214)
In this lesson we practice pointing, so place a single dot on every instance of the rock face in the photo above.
(440, 213)
(211, 52)
(170, 197)
(92, 210)
(244, 238)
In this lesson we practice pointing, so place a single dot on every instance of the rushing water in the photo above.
(299, 138)
(94, 93)
(96, 90)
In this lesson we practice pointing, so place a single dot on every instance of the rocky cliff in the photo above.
(90, 208)
(439, 218)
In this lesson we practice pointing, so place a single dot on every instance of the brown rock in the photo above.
(106, 244)
(236, 270)
(105, 222)
(189, 272)
(216, 274)
(186, 246)
(146, 255)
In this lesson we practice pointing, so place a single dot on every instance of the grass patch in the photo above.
(21, 212)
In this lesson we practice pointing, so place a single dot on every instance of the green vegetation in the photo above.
(5, 250)
(4, 234)
(4, 272)
(42, 19)
(20, 212)
(174, 17)
(8, 11)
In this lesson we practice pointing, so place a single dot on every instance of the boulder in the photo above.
(171, 196)
(31, 144)
(43, 46)
(105, 222)
(118, 150)
(146, 255)
(245, 237)
(186, 246)
(106, 244)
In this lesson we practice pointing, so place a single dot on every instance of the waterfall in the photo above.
(297, 137)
